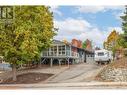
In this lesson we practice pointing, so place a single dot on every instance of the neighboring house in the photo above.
(64, 53)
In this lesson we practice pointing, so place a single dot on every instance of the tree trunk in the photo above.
(14, 72)
(39, 64)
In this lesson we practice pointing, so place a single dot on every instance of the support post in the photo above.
(51, 62)
(65, 50)
(72, 61)
(70, 51)
(43, 60)
(57, 51)
(59, 62)
(68, 63)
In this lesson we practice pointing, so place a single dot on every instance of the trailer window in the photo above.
(101, 54)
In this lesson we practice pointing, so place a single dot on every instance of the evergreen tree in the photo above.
(122, 41)
(124, 21)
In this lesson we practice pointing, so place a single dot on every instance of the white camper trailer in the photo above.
(103, 56)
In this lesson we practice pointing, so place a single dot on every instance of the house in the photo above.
(64, 53)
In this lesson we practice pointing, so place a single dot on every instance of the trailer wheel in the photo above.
(109, 61)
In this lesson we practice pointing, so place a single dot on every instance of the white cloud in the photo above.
(54, 7)
(95, 9)
(72, 26)
(118, 29)
(81, 29)
(55, 10)
(90, 9)
(118, 14)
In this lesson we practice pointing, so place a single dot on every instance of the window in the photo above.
(61, 50)
(55, 48)
(52, 49)
(100, 53)
(63, 47)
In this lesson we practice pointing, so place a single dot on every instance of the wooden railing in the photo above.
(67, 53)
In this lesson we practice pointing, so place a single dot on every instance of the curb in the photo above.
(67, 85)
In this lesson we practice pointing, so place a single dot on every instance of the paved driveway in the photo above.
(77, 73)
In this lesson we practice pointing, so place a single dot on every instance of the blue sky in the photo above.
(87, 22)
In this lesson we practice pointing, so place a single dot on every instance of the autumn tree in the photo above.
(23, 40)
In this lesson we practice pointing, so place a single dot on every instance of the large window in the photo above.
(53, 51)
(61, 50)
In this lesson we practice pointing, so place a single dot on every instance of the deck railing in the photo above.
(55, 54)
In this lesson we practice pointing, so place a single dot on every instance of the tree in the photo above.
(28, 34)
(124, 22)
(84, 44)
(123, 37)
(121, 41)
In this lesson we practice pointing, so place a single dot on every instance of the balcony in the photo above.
(68, 53)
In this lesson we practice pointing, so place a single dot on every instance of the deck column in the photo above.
(68, 63)
(70, 51)
(72, 61)
(57, 51)
(59, 62)
(51, 62)
(65, 50)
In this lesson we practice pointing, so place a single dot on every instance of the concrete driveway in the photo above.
(77, 73)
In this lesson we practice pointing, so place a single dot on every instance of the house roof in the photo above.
(60, 42)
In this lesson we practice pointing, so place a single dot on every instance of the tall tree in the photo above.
(28, 34)
(123, 37)
(124, 21)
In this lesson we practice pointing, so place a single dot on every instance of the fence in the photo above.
(5, 66)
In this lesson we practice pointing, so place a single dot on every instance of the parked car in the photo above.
(103, 56)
